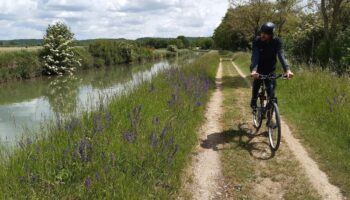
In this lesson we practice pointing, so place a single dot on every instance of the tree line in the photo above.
(181, 42)
(314, 32)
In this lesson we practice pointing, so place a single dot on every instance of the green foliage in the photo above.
(135, 148)
(204, 43)
(19, 65)
(84, 56)
(157, 43)
(108, 53)
(228, 37)
(172, 48)
(58, 55)
(304, 42)
(308, 37)
(178, 43)
(185, 41)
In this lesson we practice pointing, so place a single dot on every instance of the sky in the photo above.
(131, 19)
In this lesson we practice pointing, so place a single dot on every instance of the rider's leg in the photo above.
(255, 92)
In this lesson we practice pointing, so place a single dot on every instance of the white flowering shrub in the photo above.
(58, 55)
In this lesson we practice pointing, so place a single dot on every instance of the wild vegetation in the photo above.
(180, 42)
(19, 64)
(133, 148)
(315, 33)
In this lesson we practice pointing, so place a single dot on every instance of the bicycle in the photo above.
(269, 109)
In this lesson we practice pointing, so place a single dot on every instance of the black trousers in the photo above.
(270, 89)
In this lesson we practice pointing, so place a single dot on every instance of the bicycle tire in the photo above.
(274, 131)
(257, 118)
(258, 115)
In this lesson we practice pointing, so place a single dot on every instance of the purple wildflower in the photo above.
(72, 125)
(154, 140)
(129, 137)
(173, 100)
(97, 127)
(199, 104)
(156, 121)
(108, 119)
(103, 156)
(97, 176)
(164, 132)
(172, 155)
(88, 183)
(85, 147)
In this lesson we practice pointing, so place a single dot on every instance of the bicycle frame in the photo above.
(268, 110)
(264, 97)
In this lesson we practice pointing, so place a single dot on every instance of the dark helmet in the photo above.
(268, 28)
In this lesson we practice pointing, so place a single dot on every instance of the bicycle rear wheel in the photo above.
(274, 127)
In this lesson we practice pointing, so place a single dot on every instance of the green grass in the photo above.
(316, 103)
(134, 148)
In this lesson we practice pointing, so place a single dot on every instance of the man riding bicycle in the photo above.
(266, 49)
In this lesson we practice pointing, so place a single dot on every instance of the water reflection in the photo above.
(28, 103)
(62, 94)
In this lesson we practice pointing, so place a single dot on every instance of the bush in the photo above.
(172, 48)
(84, 56)
(19, 65)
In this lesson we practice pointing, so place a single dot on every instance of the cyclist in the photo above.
(266, 49)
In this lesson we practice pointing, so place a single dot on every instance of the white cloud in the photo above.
(112, 18)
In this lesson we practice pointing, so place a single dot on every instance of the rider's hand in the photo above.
(289, 74)
(255, 75)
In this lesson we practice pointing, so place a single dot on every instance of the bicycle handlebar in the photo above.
(273, 76)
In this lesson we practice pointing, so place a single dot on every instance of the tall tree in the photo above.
(331, 11)
(58, 55)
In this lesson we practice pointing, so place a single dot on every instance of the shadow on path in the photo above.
(256, 144)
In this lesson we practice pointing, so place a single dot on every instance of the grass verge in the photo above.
(315, 103)
(134, 148)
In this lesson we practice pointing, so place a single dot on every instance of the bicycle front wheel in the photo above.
(274, 127)
(257, 118)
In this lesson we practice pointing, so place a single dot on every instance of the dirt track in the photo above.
(208, 181)
(317, 177)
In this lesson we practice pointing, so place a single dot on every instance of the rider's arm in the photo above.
(281, 56)
(255, 57)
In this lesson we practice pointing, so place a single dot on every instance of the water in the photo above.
(25, 105)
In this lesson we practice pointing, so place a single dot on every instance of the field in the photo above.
(11, 49)
(134, 148)
(316, 105)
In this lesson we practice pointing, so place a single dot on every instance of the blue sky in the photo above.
(112, 18)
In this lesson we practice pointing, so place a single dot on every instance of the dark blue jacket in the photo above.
(264, 56)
